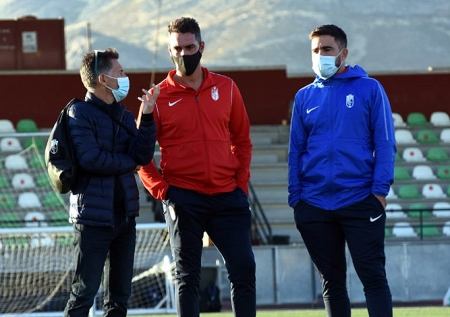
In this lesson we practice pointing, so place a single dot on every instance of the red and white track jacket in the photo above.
(204, 138)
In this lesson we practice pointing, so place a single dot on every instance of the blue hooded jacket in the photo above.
(107, 154)
(342, 141)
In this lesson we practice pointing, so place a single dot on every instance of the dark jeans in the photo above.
(96, 248)
(227, 219)
(325, 233)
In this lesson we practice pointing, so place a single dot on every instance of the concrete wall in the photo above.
(417, 271)
(268, 93)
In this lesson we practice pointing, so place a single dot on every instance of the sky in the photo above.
(384, 36)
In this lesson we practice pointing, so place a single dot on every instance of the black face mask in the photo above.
(187, 64)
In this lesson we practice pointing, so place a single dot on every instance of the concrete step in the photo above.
(271, 195)
(264, 158)
(277, 133)
(263, 175)
(280, 150)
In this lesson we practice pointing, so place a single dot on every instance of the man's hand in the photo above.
(149, 99)
(382, 200)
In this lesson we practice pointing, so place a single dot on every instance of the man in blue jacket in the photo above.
(341, 164)
(105, 199)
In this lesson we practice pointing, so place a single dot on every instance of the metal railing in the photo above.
(261, 230)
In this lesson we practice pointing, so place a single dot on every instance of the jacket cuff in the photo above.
(147, 117)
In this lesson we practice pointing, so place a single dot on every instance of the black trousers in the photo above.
(227, 219)
(361, 226)
(95, 249)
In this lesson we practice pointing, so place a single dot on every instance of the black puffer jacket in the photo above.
(107, 153)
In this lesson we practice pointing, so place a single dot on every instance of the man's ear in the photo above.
(101, 79)
(344, 53)
(202, 47)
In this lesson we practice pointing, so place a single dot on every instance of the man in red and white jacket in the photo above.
(204, 135)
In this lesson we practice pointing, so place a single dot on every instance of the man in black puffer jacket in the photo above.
(105, 199)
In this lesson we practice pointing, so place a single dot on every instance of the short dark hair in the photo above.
(332, 30)
(185, 25)
(95, 63)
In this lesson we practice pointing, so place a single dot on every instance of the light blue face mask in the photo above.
(124, 86)
(325, 66)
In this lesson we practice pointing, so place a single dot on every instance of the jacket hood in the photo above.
(352, 72)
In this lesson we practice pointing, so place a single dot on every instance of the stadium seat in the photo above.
(401, 173)
(403, 230)
(37, 142)
(6, 126)
(10, 144)
(446, 228)
(391, 194)
(27, 125)
(10, 220)
(35, 219)
(22, 181)
(441, 209)
(440, 118)
(416, 119)
(43, 180)
(59, 219)
(15, 162)
(53, 200)
(413, 154)
(37, 161)
(403, 136)
(398, 120)
(4, 183)
(429, 230)
(433, 191)
(17, 241)
(423, 172)
(398, 158)
(29, 200)
(443, 172)
(445, 135)
(437, 154)
(7, 201)
(64, 239)
(394, 211)
(427, 136)
(419, 210)
(387, 233)
(408, 191)
(41, 240)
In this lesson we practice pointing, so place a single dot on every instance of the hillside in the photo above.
(384, 35)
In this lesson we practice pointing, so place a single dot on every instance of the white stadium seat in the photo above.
(404, 230)
(423, 172)
(6, 126)
(433, 191)
(440, 118)
(441, 209)
(394, 211)
(445, 135)
(29, 200)
(23, 180)
(398, 120)
(391, 194)
(403, 136)
(413, 154)
(446, 228)
(35, 219)
(10, 144)
(15, 161)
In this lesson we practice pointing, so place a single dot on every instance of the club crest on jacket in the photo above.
(215, 93)
(350, 101)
